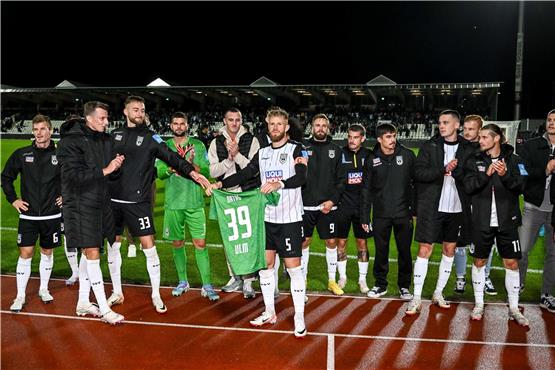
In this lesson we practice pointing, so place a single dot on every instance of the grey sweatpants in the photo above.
(532, 220)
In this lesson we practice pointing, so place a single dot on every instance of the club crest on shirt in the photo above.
(399, 160)
(282, 158)
(139, 140)
(54, 160)
(331, 153)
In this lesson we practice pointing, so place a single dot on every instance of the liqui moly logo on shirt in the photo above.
(354, 178)
(273, 175)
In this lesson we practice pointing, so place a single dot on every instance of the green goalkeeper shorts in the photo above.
(176, 220)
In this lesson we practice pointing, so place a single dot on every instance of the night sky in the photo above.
(221, 43)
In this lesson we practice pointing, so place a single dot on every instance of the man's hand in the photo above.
(550, 167)
(216, 185)
(268, 187)
(326, 207)
(367, 227)
(113, 165)
(451, 166)
(232, 148)
(198, 178)
(20, 205)
(59, 201)
(301, 160)
(491, 169)
(500, 167)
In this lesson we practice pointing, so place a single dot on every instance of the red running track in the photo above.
(344, 333)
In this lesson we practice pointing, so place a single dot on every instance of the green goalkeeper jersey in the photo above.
(241, 220)
(184, 193)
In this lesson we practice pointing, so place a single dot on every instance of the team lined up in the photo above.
(462, 191)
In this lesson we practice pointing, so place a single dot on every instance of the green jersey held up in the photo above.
(241, 220)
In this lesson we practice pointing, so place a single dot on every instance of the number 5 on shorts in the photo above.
(288, 244)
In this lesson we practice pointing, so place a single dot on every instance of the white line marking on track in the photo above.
(331, 353)
(318, 254)
(352, 336)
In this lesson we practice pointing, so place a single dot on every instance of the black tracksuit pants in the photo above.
(403, 231)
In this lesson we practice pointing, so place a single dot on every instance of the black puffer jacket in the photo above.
(507, 189)
(40, 179)
(83, 154)
(535, 153)
(429, 173)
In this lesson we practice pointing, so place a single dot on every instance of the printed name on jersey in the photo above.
(233, 198)
(354, 178)
(139, 140)
(118, 137)
(157, 138)
(376, 162)
(29, 159)
(274, 175)
(331, 153)
(282, 158)
(399, 160)
(54, 160)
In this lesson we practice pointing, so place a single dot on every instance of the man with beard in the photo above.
(353, 159)
(184, 205)
(230, 152)
(388, 188)
(494, 178)
(321, 195)
(282, 168)
(131, 193)
(471, 128)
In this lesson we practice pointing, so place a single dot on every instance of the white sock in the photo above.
(444, 272)
(231, 274)
(72, 260)
(478, 282)
(512, 284)
(304, 262)
(276, 269)
(84, 283)
(45, 269)
(97, 284)
(268, 285)
(331, 259)
(362, 271)
(420, 271)
(153, 268)
(22, 271)
(297, 288)
(342, 269)
(114, 266)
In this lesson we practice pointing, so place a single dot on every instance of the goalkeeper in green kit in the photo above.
(184, 206)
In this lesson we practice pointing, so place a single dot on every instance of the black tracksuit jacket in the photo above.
(325, 175)
(352, 165)
(388, 184)
(40, 179)
(535, 153)
(141, 146)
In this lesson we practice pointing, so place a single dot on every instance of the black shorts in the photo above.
(324, 223)
(136, 216)
(344, 217)
(286, 239)
(447, 228)
(508, 243)
(49, 231)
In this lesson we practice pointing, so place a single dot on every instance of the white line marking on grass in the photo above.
(249, 330)
(331, 353)
(349, 256)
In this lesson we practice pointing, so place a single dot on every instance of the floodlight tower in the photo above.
(519, 58)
